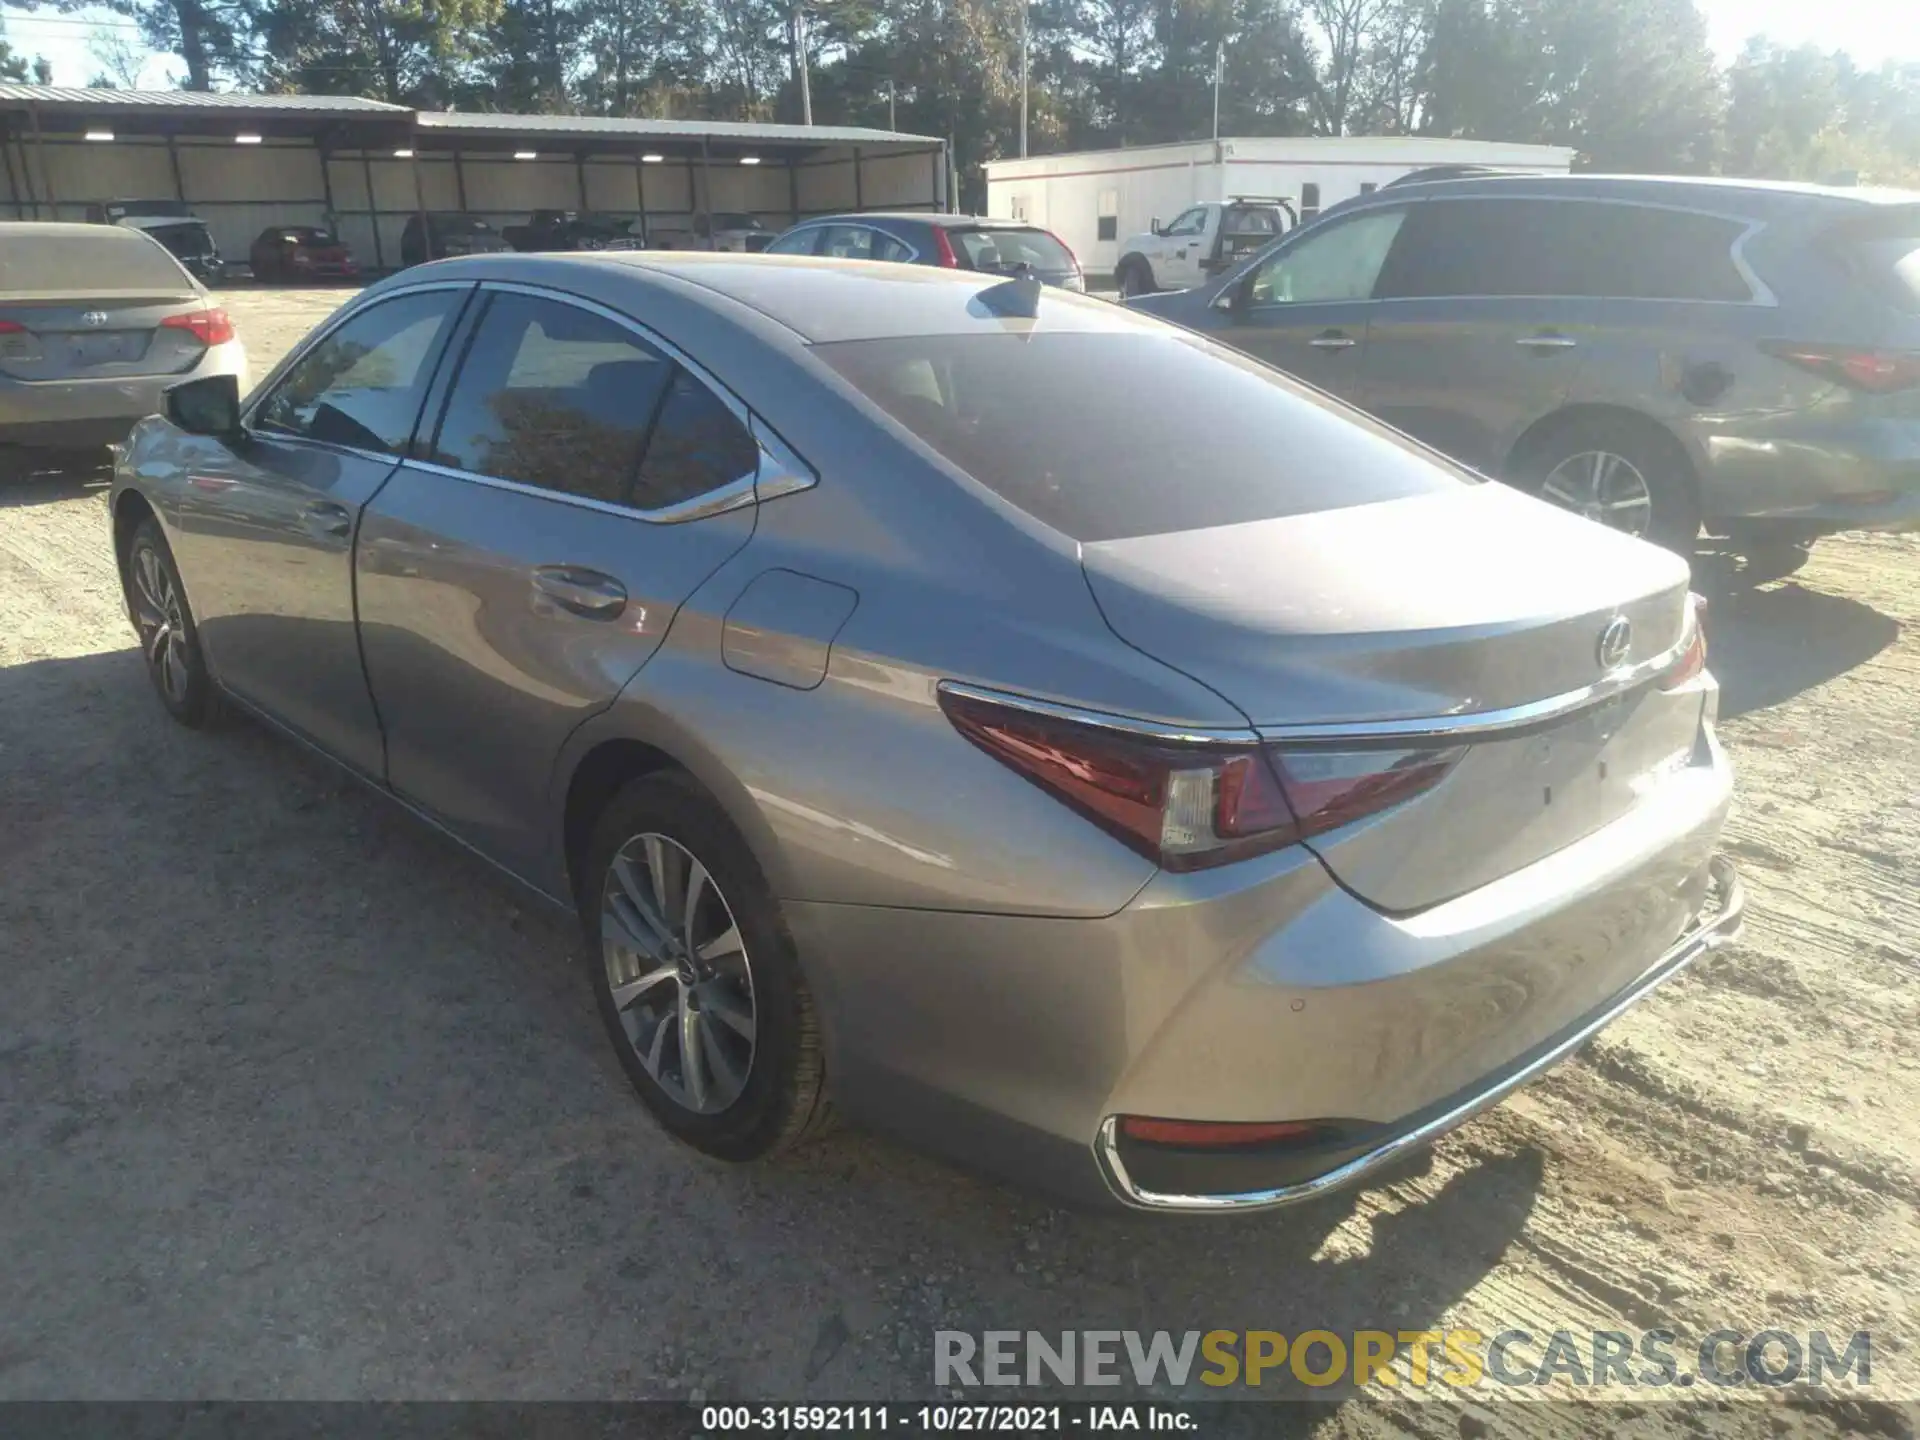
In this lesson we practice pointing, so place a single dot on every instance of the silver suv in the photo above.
(1654, 353)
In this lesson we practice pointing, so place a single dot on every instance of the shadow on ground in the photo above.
(1770, 644)
(42, 477)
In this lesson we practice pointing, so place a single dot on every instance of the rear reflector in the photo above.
(209, 327)
(1215, 1134)
(1878, 372)
(1191, 806)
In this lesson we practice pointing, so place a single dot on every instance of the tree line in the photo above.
(1630, 84)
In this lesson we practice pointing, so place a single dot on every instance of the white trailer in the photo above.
(1094, 199)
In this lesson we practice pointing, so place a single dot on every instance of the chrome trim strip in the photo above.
(1465, 725)
(1127, 724)
(1473, 723)
(730, 496)
(1721, 930)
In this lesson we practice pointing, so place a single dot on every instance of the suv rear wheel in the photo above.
(1619, 475)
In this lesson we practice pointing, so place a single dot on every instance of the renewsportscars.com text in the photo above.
(1585, 1359)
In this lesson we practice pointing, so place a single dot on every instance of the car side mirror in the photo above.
(208, 406)
(1153, 226)
(1233, 299)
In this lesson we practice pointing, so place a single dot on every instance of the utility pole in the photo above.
(1025, 6)
(892, 124)
(800, 61)
(1219, 67)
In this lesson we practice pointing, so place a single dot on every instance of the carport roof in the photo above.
(610, 127)
(64, 109)
(60, 98)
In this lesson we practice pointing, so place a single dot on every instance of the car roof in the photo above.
(820, 300)
(1756, 197)
(924, 217)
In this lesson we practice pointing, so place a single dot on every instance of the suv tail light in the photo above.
(943, 253)
(1191, 806)
(1878, 372)
(209, 326)
(1693, 659)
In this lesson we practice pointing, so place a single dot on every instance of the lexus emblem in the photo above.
(1615, 641)
(94, 317)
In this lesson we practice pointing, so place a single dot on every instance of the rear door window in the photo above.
(1563, 248)
(362, 385)
(110, 258)
(1052, 422)
(862, 242)
(555, 396)
(800, 242)
(1007, 249)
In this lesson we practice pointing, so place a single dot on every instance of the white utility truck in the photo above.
(1200, 241)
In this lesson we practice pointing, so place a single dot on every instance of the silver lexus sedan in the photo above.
(1033, 729)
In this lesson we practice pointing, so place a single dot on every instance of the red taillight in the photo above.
(1212, 1134)
(209, 327)
(1693, 659)
(1878, 372)
(943, 249)
(12, 327)
(1192, 806)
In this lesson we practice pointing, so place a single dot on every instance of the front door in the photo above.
(1307, 308)
(1182, 249)
(267, 528)
(582, 483)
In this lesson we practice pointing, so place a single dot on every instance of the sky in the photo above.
(1870, 30)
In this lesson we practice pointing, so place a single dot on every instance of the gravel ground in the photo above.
(297, 1101)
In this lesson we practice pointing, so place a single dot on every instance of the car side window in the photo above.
(1563, 248)
(698, 444)
(362, 385)
(554, 396)
(1188, 222)
(1337, 261)
(800, 242)
(862, 242)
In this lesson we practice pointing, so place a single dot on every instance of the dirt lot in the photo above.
(296, 1101)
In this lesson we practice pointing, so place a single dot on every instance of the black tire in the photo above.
(169, 640)
(1134, 278)
(784, 1099)
(1674, 520)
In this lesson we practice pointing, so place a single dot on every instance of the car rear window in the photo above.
(183, 239)
(1007, 249)
(1104, 436)
(113, 258)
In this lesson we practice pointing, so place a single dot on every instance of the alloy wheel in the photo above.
(678, 973)
(161, 622)
(1602, 486)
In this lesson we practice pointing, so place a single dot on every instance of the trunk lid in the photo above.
(96, 335)
(1434, 607)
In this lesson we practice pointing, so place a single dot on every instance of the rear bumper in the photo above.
(1813, 478)
(1261, 991)
(83, 413)
(1708, 933)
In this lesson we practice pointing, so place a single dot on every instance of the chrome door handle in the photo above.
(1547, 342)
(323, 517)
(587, 593)
(1333, 341)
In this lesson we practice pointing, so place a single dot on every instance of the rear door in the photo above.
(1306, 308)
(265, 536)
(584, 480)
(1477, 332)
(93, 305)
